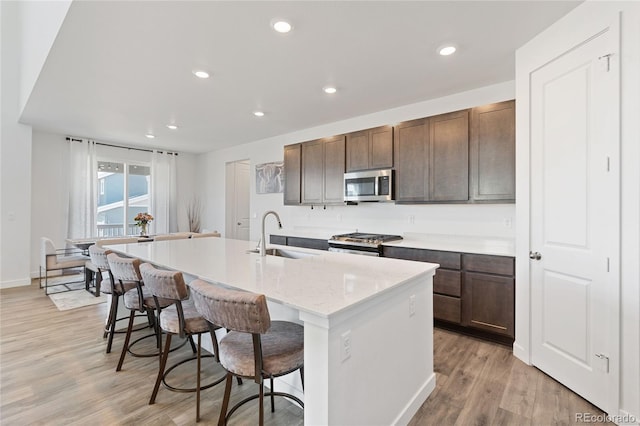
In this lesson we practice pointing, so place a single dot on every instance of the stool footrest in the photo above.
(177, 389)
(256, 396)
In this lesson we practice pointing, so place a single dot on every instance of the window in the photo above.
(123, 193)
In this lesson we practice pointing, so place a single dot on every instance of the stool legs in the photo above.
(198, 378)
(222, 420)
(113, 314)
(127, 338)
(163, 364)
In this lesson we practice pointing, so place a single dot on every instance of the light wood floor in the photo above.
(54, 371)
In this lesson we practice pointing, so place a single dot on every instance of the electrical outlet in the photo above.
(345, 345)
(507, 222)
(412, 305)
(412, 219)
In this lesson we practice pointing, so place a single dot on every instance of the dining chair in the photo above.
(52, 259)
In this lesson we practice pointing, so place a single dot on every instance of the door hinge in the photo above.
(604, 362)
(607, 58)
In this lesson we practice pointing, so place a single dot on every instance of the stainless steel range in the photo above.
(360, 243)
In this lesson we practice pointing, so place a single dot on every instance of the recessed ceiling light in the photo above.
(281, 26)
(201, 74)
(447, 50)
(329, 89)
(258, 113)
(150, 135)
(172, 126)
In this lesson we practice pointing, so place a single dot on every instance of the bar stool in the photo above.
(182, 319)
(256, 347)
(99, 261)
(127, 270)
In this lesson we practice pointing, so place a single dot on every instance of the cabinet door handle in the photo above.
(535, 255)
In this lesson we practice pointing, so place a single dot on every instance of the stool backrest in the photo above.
(124, 268)
(164, 284)
(231, 309)
(98, 257)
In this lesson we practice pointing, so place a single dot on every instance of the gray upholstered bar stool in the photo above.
(99, 261)
(182, 319)
(139, 299)
(255, 347)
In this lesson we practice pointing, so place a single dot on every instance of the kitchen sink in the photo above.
(290, 254)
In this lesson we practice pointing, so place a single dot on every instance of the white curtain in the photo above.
(163, 193)
(82, 189)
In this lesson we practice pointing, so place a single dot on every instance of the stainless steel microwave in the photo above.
(370, 185)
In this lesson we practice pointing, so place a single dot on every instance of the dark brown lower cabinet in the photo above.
(472, 293)
(488, 303)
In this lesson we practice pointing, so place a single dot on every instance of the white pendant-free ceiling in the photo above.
(120, 70)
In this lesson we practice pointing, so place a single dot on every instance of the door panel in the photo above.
(574, 214)
(242, 202)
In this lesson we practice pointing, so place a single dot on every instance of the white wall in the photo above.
(39, 23)
(585, 21)
(50, 188)
(487, 219)
(15, 158)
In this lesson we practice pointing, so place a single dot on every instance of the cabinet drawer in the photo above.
(446, 308)
(278, 239)
(311, 243)
(501, 265)
(447, 282)
(446, 259)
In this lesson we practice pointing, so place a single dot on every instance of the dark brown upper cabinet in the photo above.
(492, 151)
(292, 177)
(370, 149)
(432, 159)
(449, 157)
(323, 166)
(412, 160)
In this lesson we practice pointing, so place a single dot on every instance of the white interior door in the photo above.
(237, 201)
(574, 218)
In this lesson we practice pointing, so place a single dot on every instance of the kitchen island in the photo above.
(368, 322)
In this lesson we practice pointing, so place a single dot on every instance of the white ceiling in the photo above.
(118, 70)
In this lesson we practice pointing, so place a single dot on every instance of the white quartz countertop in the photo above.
(496, 246)
(323, 283)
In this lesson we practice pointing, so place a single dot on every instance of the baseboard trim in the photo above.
(15, 283)
(520, 353)
(416, 402)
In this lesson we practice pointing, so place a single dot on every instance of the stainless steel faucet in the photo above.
(263, 246)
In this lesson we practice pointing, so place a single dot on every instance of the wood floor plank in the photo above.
(519, 395)
(54, 371)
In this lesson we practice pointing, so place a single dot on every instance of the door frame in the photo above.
(568, 33)
(229, 197)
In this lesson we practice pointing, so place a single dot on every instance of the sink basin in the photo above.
(290, 254)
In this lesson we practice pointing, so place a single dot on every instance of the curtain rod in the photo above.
(123, 147)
